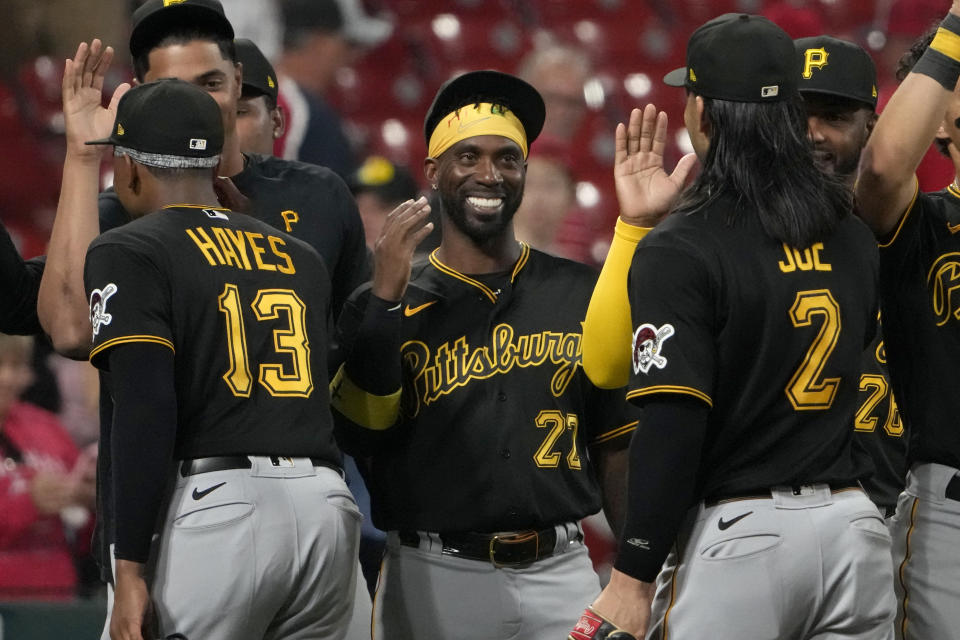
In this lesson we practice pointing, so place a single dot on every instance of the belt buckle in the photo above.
(496, 539)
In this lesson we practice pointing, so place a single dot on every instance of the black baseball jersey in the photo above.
(878, 430)
(244, 311)
(497, 414)
(768, 336)
(919, 276)
(310, 202)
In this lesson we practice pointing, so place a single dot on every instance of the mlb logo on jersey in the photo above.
(198, 144)
(647, 344)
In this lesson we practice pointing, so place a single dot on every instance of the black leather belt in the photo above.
(953, 489)
(503, 549)
(759, 494)
(194, 466)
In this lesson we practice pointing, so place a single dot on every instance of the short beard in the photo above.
(454, 210)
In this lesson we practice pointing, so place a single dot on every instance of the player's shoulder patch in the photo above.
(98, 307)
(648, 347)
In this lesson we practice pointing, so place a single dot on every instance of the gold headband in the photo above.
(465, 122)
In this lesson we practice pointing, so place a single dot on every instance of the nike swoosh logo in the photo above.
(469, 125)
(412, 311)
(202, 494)
(726, 524)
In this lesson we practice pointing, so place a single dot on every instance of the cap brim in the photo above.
(676, 78)
(872, 103)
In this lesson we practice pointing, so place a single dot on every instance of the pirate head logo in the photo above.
(647, 344)
(98, 307)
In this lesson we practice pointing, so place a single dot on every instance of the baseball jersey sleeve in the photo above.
(19, 285)
(672, 346)
(128, 299)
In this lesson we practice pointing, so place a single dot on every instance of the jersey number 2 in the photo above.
(806, 390)
(292, 340)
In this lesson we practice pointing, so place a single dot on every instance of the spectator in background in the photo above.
(378, 187)
(46, 488)
(319, 38)
(260, 120)
(559, 72)
(549, 196)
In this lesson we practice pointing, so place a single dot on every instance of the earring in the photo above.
(434, 187)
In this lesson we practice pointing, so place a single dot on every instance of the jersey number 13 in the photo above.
(291, 339)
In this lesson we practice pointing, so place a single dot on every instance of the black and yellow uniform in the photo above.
(767, 336)
(243, 308)
(879, 431)
(214, 326)
(497, 416)
(918, 270)
(310, 202)
(918, 275)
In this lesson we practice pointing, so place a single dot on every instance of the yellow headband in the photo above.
(465, 122)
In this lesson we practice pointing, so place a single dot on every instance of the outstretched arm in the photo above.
(645, 192)
(62, 302)
(905, 129)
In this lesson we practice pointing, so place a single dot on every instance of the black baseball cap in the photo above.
(168, 123)
(741, 58)
(391, 183)
(155, 18)
(488, 86)
(838, 68)
(259, 78)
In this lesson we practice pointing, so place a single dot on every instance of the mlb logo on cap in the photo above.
(198, 144)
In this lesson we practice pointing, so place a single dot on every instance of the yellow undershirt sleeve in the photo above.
(607, 329)
(365, 409)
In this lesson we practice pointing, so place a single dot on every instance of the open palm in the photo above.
(645, 191)
(84, 115)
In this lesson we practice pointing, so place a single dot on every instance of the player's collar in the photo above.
(487, 291)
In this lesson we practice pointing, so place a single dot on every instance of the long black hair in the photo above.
(760, 154)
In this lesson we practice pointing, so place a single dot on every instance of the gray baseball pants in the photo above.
(423, 593)
(926, 556)
(811, 566)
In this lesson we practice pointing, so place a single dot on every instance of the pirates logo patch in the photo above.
(647, 344)
(98, 307)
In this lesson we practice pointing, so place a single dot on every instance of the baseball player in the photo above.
(260, 120)
(838, 83)
(191, 40)
(918, 250)
(745, 363)
(261, 545)
(481, 473)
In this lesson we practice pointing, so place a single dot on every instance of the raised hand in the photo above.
(405, 228)
(84, 115)
(644, 189)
